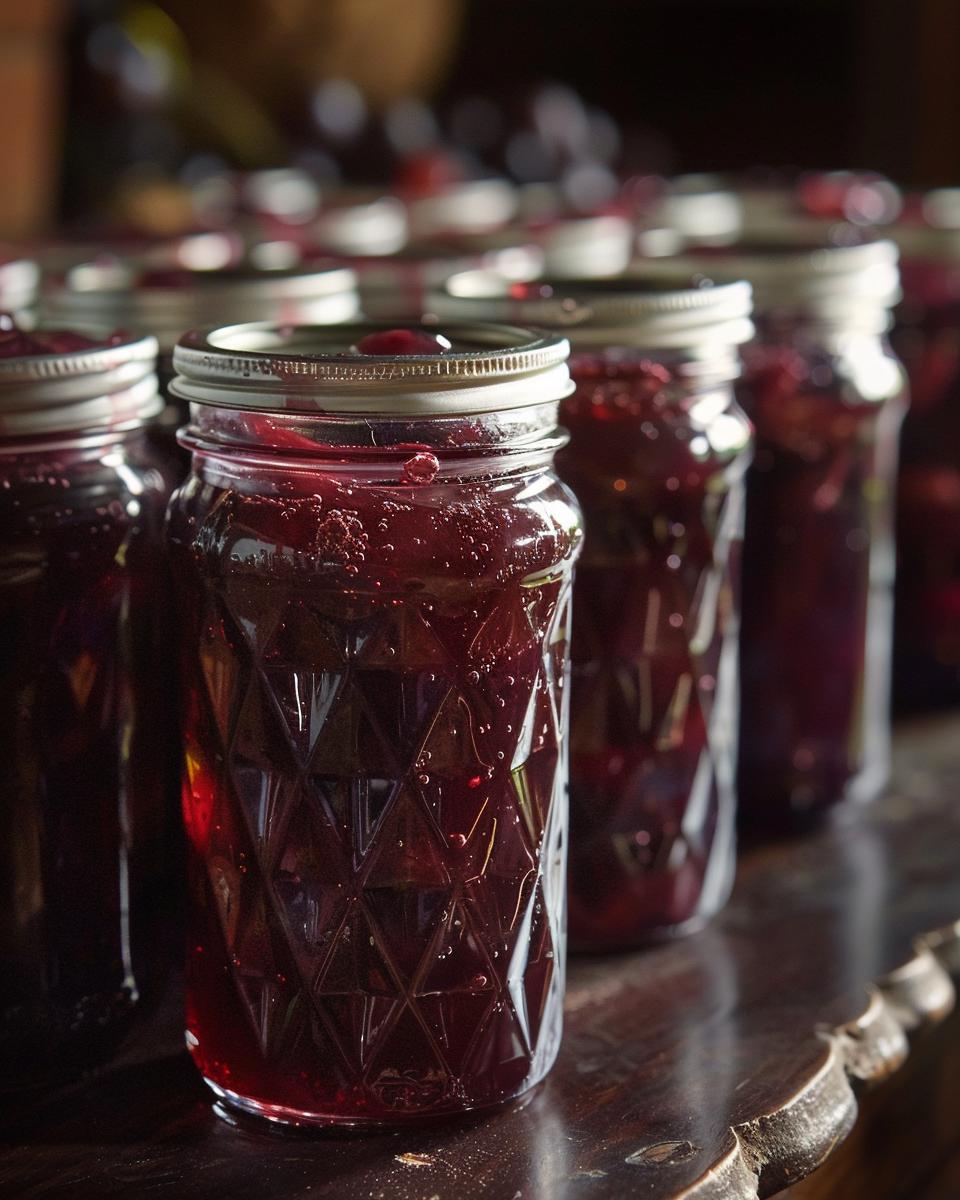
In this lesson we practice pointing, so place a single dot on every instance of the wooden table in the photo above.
(727, 1065)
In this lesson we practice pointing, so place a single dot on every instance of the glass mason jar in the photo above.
(927, 338)
(560, 246)
(165, 301)
(374, 561)
(826, 395)
(84, 726)
(657, 456)
(468, 206)
(398, 286)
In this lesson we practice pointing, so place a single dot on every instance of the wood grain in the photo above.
(722, 1067)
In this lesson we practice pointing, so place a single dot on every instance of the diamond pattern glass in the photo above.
(375, 798)
(659, 471)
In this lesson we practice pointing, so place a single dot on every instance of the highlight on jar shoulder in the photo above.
(374, 560)
(826, 395)
(657, 457)
(85, 704)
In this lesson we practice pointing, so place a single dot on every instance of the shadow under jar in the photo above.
(826, 396)
(657, 456)
(926, 663)
(374, 561)
(83, 708)
(165, 300)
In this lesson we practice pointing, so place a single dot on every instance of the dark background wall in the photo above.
(698, 84)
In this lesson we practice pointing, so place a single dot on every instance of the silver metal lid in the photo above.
(657, 315)
(19, 282)
(701, 209)
(317, 369)
(350, 225)
(852, 283)
(467, 207)
(105, 387)
(110, 294)
(565, 247)
(400, 284)
(937, 235)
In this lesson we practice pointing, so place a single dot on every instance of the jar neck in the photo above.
(835, 333)
(83, 446)
(236, 442)
(690, 369)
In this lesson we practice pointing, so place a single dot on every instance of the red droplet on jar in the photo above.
(420, 469)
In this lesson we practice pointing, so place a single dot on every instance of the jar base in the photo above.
(583, 947)
(235, 1109)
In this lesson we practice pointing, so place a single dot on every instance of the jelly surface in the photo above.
(374, 788)
(18, 343)
(658, 472)
(82, 746)
(817, 580)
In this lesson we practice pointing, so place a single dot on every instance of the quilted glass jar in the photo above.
(826, 395)
(84, 716)
(374, 562)
(658, 450)
(927, 338)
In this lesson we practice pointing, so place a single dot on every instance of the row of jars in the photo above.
(367, 576)
(280, 267)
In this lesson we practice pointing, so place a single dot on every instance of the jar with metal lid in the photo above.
(398, 286)
(563, 246)
(165, 302)
(467, 206)
(85, 731)
(657, 455)
(373, 559)
(826, 395)
(703, 209)
(927, 338)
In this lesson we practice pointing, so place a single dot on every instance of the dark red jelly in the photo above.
(817, 572)
(375, 632)
(392, 342)
(927, 338)
(658, 469)
(84, 729)
(18, 343)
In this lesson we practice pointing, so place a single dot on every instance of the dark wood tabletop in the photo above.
(726, 1065)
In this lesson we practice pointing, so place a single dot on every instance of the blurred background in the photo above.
(116, 111)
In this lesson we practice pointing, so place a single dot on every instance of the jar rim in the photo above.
(671, 311)
(571, 245)
(317, 294)
(797, 269)
(98, 387)
(313, 368)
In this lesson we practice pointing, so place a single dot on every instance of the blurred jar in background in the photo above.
(826, 395)
(566, 246)
(657, 457)
(400, 285)
(927, 338)
(165, 301)
(84, 723)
